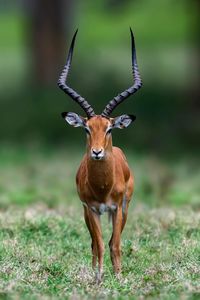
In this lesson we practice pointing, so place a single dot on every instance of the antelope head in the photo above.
(99, 127)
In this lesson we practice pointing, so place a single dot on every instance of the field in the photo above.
(45, 246)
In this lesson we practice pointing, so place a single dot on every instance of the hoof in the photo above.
(98, 277)
(118, 276)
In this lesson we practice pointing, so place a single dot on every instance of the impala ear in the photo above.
(74, 119)
(123, 121)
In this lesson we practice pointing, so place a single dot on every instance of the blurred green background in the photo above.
(35, 36)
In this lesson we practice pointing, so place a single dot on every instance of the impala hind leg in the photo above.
(125, 213)
(93, 244)
(94, 220)
(126, 201)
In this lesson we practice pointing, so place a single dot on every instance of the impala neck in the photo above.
(101, 170)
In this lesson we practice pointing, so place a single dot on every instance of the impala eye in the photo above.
(87, 130)
(109, 131)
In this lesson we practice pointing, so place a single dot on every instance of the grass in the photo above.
(45, 246)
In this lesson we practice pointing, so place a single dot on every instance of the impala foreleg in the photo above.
(94, 221)
(114, 244)
(93, 245)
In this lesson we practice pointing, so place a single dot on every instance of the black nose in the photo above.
(96, 152)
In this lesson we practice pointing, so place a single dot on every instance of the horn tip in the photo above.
(131, 30)
(75, 35)
(132, 37)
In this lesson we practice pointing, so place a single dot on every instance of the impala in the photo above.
(104, 180)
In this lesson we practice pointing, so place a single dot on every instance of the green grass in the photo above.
(45, 246)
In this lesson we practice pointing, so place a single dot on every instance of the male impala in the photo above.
(104, 180)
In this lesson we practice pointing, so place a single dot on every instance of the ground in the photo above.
(45, 245)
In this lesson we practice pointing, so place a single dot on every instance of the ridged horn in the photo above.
(68, 90)
(130, 91)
